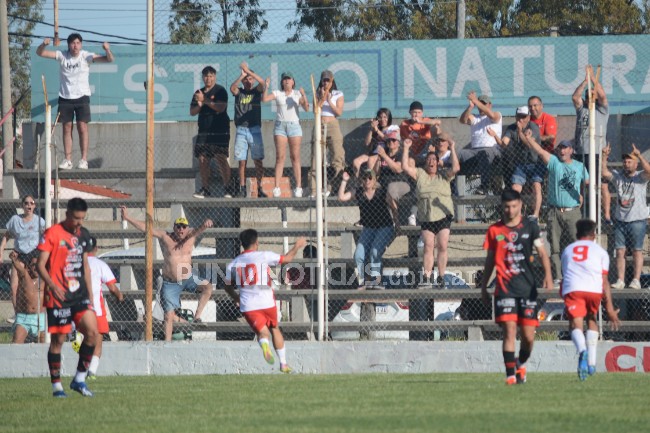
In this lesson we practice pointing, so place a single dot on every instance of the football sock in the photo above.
(523, 356)
(578, 338)
(56, 386)
(85, 355)
(282, 354)
(592, 345)
(94, 363)
(509, 361)
(54, 362)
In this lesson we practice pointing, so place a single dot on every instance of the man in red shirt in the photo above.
(63, 266)
(546, 122)
(509, 244)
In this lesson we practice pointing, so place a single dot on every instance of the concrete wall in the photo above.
(122, 145)
(178, 358)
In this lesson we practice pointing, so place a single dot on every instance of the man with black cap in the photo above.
(177, 274)
(418, 129)
(483, 150)
(520, 163)
(631, 214)
(567, 179)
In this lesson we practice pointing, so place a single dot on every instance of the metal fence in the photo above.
(386, 301)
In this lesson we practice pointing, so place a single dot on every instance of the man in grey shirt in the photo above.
(631, 214)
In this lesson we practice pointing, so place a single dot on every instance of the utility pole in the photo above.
(460, 19)
(5, 82)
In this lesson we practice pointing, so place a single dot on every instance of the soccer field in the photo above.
(334, 403)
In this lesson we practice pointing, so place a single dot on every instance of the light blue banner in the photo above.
(372, 74)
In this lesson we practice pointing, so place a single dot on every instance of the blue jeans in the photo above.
(629, 234)
(372, 242)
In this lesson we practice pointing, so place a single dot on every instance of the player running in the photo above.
(100, 274)
(509, 244)
(63, 265)
(585, 266)
(250, 272)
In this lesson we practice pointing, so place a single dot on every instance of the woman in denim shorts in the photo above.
(287, 128)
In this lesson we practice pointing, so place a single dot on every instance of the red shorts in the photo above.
(258, 319)
(579, 304)
(60, 320)
(102, 325)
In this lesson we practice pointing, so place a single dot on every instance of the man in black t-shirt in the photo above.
(213, 139)
(248, 121)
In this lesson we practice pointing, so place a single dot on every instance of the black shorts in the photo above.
(70, 109)
(59, 320)
(520, 310)
(27, 258)
(437, 226)
(211, 145)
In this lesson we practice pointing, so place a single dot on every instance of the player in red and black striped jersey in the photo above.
(63, 266)
(509, 244)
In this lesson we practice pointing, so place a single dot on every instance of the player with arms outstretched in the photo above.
(509, 244)
(250, 272)
(63, 265)
(585, 266)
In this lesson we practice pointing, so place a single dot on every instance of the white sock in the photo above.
(262, 341)
(80, 376)
(414, 211)
(282, 354)
(578, 338)
(592, 344)
(56, 386)
(94, 363)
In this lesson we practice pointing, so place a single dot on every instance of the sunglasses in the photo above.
(25, 203)
(180, 226)
(326, 80)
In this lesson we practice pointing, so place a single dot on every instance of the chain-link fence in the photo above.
(400, 265)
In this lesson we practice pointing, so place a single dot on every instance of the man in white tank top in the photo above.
(585, 266)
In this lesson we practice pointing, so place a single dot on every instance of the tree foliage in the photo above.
(219, 21)
(20, 44)
(365, 20)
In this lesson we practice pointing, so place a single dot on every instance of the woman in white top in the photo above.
(331, 101)
(287, 128)
(26, 230)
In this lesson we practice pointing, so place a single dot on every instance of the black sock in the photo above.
(85, 356)
(54, 362)
(509, 361)
(523, 356)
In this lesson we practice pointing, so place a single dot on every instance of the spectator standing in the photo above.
(378, 229)
(582, 129)
(418, 129)
(585, 266)
(287, 128)
(63, 266)
(631, 215)
(248, 123)
(250, 273)
(213, 139)
(435, 207)
(101, 275)
(30, 321)
(483, 150)
(566, 181)
(509, 244)
(26, 230)
(74, 92)
(521, 161)
(546, 122)
(177, 275)
(374, 140)
(330, 100)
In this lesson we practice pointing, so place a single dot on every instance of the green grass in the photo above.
(466, 403)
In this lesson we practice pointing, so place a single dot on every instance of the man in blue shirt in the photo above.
(566, 181)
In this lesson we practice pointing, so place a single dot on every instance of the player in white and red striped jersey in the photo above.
(585, 266)
(100, 274)
(250, 273)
